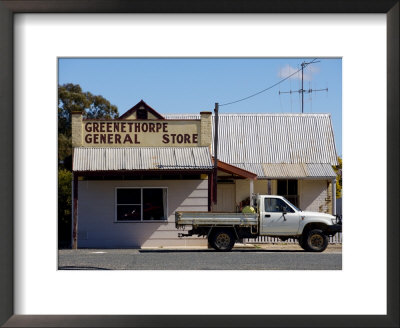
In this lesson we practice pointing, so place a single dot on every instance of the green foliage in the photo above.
(64, 205)
(339, 171)
(64, 147)
(71, 98)
(64, 193)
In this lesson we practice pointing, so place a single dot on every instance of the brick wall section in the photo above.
(315, 196)
(329, 198)
(205, 129)
(76, 123)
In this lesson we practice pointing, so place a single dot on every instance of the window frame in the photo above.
(141, 206)
(297, 196)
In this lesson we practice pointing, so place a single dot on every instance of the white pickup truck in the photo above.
(275, 216)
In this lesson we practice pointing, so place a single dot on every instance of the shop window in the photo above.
(141, 204)
(289, 190)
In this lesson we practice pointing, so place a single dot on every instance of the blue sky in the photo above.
(191, 85)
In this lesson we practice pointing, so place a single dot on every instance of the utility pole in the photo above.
(302, 88)
(215, 153)
(302, 91)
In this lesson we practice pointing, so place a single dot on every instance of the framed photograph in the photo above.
(34, 35)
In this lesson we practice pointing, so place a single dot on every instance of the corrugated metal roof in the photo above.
(284, 170)
(252, 167)
(287, 171)
(320, 170)
(141, 158)
(273, 138)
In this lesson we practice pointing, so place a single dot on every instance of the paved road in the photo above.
(204, 259)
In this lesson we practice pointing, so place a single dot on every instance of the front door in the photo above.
(225, 198)
(278, 218)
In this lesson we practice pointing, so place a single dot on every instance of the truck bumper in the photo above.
(333, 229)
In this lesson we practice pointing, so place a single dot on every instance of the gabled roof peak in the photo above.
(142, 105)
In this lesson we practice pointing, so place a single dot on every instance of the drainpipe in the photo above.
(251, 191)
(269, 189)
(334, 196)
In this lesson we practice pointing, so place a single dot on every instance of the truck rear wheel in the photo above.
(316, 241)
(222, 240)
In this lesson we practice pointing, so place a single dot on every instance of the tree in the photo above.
(64, 206)
(338, 170)
(72, 98)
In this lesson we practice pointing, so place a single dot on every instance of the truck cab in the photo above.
(280, 217)
(277, 216)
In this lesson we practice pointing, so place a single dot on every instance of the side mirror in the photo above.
(283, 214)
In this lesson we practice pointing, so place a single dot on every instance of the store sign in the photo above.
(140, 133)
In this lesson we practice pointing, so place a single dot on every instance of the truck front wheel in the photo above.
(222, 240)
(316, 241)
(302, 242)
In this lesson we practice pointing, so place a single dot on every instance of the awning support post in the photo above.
(334, 197)
(210, 190)
(75, 212)
(251, 192)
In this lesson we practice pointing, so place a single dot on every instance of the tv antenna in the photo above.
(302, 91)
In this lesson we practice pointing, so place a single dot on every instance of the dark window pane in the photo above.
(128, 213)
(153, 204)
(272, 205)
(293, 200)
(128, 196)
(269, 204)
(284, 207)
(282, 187)
(292, 187)
(141, 114)
(276, 205)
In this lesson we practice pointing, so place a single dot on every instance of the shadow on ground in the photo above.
(72, 267)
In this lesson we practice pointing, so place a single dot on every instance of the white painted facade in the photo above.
(97, 214)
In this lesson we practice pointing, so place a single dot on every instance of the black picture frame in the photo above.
(10, 7)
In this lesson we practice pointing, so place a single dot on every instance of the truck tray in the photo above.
(215, 218)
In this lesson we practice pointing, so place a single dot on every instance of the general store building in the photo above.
(133, 173)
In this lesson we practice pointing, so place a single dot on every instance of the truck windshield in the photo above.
(295, 207)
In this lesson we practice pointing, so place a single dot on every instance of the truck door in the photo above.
(278, 218)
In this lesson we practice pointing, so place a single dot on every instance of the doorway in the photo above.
(225, 198)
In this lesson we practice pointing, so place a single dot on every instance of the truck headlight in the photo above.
(337, 220)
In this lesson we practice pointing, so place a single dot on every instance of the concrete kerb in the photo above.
(239, 246)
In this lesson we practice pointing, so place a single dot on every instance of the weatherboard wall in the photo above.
(96, 208)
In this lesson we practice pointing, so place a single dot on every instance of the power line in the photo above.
(274, 85)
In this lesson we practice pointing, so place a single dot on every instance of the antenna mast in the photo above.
(302, 91)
